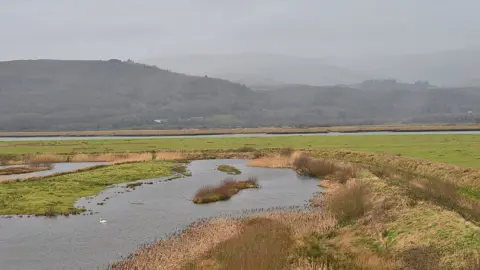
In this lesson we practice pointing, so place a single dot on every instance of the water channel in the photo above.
(139, 216)
(63, 138)
(57, 168)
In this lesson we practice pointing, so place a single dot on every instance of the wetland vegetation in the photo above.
(228, 188)
(59, 193)
(389, 202)
(372, 217)
(228, 169)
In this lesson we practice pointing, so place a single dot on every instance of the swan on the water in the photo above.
(103, 221)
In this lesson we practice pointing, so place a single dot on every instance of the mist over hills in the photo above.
(454, 68)
(260, 68)
(89, 95)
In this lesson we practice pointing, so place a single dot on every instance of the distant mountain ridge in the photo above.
(454, 68)
(259, 68)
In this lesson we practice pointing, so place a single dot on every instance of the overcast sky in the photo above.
(103, 29)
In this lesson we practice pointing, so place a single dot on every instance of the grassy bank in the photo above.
(456, 149)
(224, 191)
(371, 217)
(228, 169)
(58, 194)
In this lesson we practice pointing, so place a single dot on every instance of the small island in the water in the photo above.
(229, 169)
(25, 169)
(224, 191)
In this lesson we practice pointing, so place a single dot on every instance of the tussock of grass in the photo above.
(61, 192)
(229, 169)
(349, 202)
(224, 191)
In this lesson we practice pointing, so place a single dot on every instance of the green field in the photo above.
(59, 193)
(459, 149)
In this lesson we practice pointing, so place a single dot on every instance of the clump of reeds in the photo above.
(50, 212)
(224, 191)
(349, 202)
(262, 244)
(324, 168)
(181, 169)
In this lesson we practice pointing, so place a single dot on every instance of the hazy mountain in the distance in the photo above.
(460, 67)
(444, 68)
(260, 68)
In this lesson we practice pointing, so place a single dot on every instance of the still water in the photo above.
(63, 138)
(139, 216)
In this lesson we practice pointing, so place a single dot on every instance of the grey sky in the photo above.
(103, 29)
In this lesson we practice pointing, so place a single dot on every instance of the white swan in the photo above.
(103, 221)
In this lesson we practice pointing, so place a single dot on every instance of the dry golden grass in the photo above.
(176, 252)
(170, 155)
(349, 202)
(93, 157)
(463, 177)
(282, 160)
(262, 244)
(271, 162)
(42, 158)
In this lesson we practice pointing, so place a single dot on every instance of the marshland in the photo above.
(363, 202)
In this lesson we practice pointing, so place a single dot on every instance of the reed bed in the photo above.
(228, 188)
(325, 168)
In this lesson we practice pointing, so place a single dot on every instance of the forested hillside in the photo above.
(89, 95)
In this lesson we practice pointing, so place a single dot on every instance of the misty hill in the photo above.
(444, 68)
(89, 95)
(51, 94)
(259, 68)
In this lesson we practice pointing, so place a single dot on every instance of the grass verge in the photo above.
(224, 191)
(58, 193)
